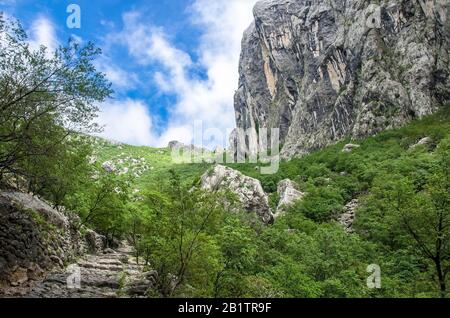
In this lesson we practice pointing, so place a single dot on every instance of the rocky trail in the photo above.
(112, 274)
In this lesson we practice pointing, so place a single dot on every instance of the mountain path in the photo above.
(112, 274)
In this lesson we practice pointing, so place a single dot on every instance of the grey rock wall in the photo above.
(35, 238)
(326, 69)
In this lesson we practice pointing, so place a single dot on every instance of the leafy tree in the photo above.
(44, 96)
(179, 235)
(238, 245)
(61, 173)
(101, 203)
(425, 216)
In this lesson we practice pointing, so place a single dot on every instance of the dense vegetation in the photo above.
(203, 247)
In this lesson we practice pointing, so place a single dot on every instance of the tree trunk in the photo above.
(441, 278)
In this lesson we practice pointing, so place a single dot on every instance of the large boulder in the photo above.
(289, 195)
(248, 190)
(426, 141)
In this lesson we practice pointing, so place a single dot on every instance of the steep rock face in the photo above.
(248, 190)
(322, 70)
(34, 238)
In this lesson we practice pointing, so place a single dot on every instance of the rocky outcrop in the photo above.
(34, 238)
(322, 70)
(288, 193)
(347, 218)
(248, 190)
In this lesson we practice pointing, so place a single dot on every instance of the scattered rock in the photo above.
(248, 190)
(92, 160)
(426, 141)
(18, 277)
(109, 167)
(347, 218)
(96, 242)
(288, 195)
(350, 147)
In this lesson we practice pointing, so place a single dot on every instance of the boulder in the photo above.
(288, 193)
(18, 277)
(96, 242)
(350, 147)
(248, 190)
(109, 167)
(426, 141)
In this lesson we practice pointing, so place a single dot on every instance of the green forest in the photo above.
(47, 106)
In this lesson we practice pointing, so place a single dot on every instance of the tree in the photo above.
(239, 250)
(425, 216)
(44, 97)
(179, 235)
(61, 173)
(101, 203)
(412, 216)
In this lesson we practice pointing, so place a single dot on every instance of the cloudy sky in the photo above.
(171, 62)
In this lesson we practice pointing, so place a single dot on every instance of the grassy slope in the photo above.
(158, 162)
(377, 154)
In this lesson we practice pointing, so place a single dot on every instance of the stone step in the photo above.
(97, 266)
(101, 277)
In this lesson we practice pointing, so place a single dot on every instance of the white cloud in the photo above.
(120, 78)
(209, 100)
(127, 121)
(107, 23)
(42, 32)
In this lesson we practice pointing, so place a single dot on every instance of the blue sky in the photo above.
(172, 63)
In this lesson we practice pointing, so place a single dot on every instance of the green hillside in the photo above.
(402, 191)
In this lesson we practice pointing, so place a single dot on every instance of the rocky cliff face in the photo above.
(322, 70)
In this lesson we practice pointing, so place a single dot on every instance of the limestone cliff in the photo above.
(326, 69)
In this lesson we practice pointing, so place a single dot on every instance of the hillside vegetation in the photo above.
(403, 195)
(202, 244)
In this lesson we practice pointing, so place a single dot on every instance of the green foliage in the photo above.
(320, 203)
(203, 244)
(44, 97)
